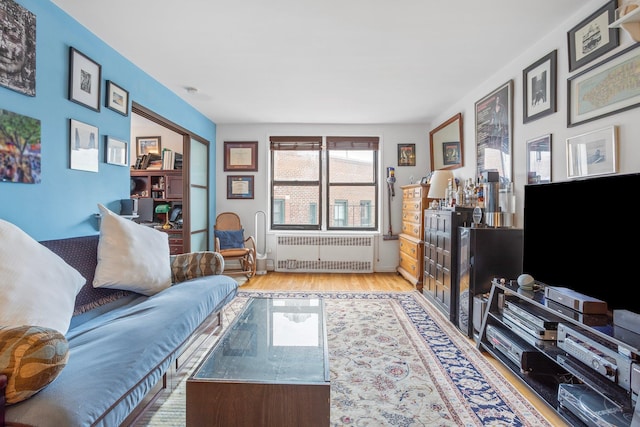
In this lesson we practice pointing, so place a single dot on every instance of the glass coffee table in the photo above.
(269, 368)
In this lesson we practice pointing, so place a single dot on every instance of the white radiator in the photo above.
(325, 254)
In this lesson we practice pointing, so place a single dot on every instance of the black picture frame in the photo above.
(240, 186)
(85, 79)
(539, 86)
(451, 153)
(592, 37)
(116, 98)
(406, 154)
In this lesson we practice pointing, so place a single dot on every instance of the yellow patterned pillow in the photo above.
(31, 357)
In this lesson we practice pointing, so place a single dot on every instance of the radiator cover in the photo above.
(324, 254)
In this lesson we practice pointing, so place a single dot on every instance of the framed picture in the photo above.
(592, 153)
(148, 145)
(117, 99)
(606, 88)
(406, 154)
(539, 160)
(539, 88)
(240, 187)
(20, 162)
(446, 144)
(494, 129)
(17, 48)
(83, 143)
(451, 153)
(592, 37)
(84, 80)
(116, 151)
(241, 156)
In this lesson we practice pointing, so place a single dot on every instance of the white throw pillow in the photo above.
(37, 287)
(131, 256)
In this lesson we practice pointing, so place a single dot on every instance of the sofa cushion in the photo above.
(31, 357)
(38, 288)
(131, 256)
(231, 239)
(195, 264)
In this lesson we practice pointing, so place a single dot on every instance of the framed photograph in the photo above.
(494, 129)
(84, 80)
(17, 48)
(446, 144)
(148, 145)
(240, 187)
(117, 98)
(116, 151)
(592, 153)
(241, 156)
(539, 160)
(20, 162)
(451, 153)
(83, 143)
(592, 37)
(539, 88)
(605, 89)
(406, 154)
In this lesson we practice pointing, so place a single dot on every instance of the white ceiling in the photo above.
(323, 61)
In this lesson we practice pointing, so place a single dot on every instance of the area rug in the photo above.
(394, 361)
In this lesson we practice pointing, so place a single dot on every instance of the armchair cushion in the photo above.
(231, 239)
(195, 264)
(31, 357)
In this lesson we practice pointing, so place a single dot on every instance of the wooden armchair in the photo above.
(238, 251)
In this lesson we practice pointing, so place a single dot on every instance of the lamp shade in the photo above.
(439, 183)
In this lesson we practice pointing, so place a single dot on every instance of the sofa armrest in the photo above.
(195, 264)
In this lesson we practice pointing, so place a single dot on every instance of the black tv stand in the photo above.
(544, 375)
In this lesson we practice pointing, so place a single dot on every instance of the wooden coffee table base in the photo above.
(228, 404)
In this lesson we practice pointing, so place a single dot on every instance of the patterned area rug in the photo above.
(394, 361)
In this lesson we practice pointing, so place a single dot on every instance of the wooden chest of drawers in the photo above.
(410, 240)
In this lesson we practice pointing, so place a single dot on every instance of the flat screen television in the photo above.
(585, 235)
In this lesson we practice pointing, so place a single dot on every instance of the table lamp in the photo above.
(438, 186)
(164, 209)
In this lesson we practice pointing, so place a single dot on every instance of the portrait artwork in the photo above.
(17, 48)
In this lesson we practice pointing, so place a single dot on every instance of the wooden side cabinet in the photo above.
(410, 240)
(163, 187)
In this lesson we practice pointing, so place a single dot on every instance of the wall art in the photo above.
(84, 80)
(17, 48)
(240, 187)
(494, 129)
(539, 88)
(117, 99)
(606, 88)
(446, 144)
(20, 159)
(148, 145)
(539, 160)
(406, 154)
(592, 37)
(240, 156)
(83, 143)
(116, 152)
(592, 153)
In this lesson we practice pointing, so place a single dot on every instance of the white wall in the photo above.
(628, 124)
(390, 137)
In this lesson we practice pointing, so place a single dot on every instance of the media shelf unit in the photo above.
(552, 365)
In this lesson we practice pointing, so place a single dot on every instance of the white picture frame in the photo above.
(592, 153)
(116, 152)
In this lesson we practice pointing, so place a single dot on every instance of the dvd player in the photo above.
(516, 350)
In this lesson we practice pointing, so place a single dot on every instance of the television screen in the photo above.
(583, 235)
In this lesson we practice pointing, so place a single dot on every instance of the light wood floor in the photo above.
(374, 282)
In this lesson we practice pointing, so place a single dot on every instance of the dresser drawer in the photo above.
(410, 264)
(412, 205)
(409, 247)
(412, 216)
(412, 229)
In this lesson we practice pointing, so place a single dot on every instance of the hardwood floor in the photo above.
(371, 282)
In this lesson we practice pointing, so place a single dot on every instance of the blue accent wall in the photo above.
(64, 203)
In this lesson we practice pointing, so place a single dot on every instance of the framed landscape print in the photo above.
(117, 99)
(148, 145)
(539, 88)
(592, 37)
(84, 80)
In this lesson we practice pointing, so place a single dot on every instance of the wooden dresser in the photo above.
(411, 239)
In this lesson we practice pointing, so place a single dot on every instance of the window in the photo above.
(349, 190)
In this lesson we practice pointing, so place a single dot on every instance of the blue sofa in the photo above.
(124, 347)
